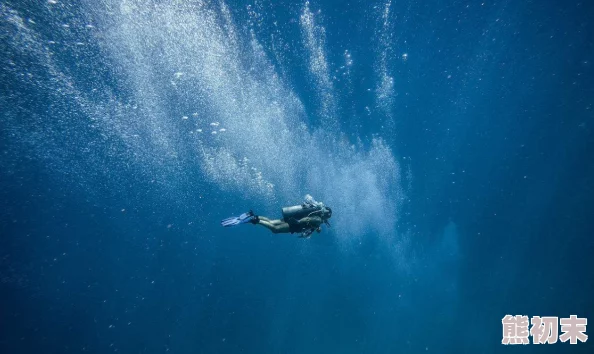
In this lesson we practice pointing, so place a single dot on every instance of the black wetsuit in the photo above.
(306, 223)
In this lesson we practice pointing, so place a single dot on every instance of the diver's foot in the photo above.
(255, 219)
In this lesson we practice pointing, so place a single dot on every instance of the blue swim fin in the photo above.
(238, 220)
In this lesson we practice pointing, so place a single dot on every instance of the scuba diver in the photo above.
(304, 219)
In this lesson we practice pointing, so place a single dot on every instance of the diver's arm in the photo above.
(310, 224)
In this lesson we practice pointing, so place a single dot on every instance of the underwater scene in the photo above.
(290, 176)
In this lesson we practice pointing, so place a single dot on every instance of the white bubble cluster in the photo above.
(182, 57)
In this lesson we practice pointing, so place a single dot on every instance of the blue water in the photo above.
(451, 139)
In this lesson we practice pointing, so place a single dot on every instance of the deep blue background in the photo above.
(501, 148)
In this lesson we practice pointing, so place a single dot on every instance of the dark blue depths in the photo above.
(491, 120)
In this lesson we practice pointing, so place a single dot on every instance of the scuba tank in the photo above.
(297, 212)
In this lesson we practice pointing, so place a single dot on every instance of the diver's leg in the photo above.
(276, 226)
(277, 222)
(273, 222)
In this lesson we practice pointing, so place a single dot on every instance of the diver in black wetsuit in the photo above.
(304, 219)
